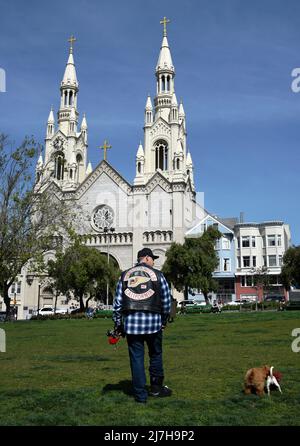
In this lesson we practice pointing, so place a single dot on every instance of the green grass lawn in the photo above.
(64, 372)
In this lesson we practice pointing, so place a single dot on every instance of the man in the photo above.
(141, 310)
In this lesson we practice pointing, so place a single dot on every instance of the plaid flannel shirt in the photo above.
(142, 322)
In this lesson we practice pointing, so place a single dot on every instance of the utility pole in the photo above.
(107, 230)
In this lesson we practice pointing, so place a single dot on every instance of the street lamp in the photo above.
(39, 294)
(107, 229)
(15, 305)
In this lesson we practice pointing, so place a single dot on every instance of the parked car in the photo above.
(191, 306)
(190, 303)
(233, 303)
(61, 311)
(46, 311)
(276, 298)
(75, 311)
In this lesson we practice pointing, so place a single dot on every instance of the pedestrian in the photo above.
(141, 310)
(173, 309)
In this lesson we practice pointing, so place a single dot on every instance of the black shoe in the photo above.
(160, 391)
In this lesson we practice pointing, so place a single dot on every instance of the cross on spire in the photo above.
(105, 146)
(164, 22)
(72, 39)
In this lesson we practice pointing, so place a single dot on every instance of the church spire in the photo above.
(70, 77)
(165, 73)
(50, 124)
(148, 112)
(83, 123)
(66, 148)
(165, 58)
(69, 88)
(140, 162)
(164, 147)
(84, 128)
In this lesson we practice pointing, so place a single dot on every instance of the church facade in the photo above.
(120, 218)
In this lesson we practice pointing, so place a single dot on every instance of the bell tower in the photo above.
(165, 147)
(66, 145)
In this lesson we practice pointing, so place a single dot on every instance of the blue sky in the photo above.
(233, 61)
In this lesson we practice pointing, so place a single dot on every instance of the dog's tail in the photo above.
(272, 380)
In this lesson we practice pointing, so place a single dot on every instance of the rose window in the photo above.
(102, 217)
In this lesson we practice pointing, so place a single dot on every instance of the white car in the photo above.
(46, 311)
(61, 311)
(233, 303)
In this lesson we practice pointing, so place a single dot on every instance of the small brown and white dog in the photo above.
(258, 377)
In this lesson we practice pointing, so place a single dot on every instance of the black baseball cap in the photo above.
(146, 252)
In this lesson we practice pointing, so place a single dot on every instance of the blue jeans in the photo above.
(136, 350)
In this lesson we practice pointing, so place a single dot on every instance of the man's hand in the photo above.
(119, 330)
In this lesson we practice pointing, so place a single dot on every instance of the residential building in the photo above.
(225, 249)
(259, 250)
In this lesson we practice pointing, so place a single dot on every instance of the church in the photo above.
(160, 206)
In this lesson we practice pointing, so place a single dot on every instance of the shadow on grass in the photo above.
(124, 386)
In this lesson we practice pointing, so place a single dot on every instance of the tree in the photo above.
(29, 220)
(84, 271)
(192, 264)
(290, 273)
(261, 279)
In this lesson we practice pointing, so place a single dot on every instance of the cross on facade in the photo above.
(72, 39)
(105, 147)
(164, 22)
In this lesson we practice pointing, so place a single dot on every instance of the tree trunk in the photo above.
(55, 302)
(81, 303)
(186, 292)
(205, 294)
(7, 301)
(87, 302)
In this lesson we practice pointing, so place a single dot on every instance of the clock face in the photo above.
(58, 143)
(102, 217)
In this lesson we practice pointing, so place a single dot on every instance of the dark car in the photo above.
(274, 298)
(75, 311)
(2, 316)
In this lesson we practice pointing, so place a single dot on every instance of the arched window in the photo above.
(79, 166)
(59, 162)
(161, 155)
(139, 166)
(71, 98)
(168, 83)
(66, 98)
(178, 164)
(163, 83)
(71, 174)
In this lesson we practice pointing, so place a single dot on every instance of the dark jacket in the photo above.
(141, 289)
